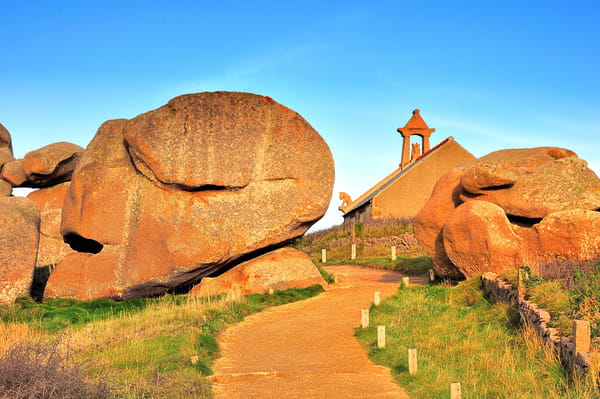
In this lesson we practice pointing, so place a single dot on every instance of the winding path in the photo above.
(307, 349)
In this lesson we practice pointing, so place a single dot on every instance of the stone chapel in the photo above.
(404, 191)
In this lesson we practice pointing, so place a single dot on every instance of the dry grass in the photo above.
(11, 333)
(142, 351)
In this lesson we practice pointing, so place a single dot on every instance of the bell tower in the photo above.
(415, 126)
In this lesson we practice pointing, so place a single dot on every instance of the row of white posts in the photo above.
(353, 253)
(455, 388)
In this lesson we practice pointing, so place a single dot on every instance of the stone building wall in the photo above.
(575, 353)
(406, 196)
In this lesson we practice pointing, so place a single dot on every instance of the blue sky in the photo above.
(494, 75)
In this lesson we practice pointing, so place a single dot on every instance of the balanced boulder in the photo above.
(512, 208)
(19, 233)
(281, 269)
(183, 191)
(51, 164)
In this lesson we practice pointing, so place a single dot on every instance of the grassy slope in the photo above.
(460, 337)
(145, 347)
(336, 241)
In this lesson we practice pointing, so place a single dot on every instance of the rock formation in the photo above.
(14, 174)
(20, 220)
(6, 153)
(186, 190)
(280, 269)
(52, 247)
(5, 189)
(512, 208)
(51, 164)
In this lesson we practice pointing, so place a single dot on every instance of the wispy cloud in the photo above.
(475, 130)
(244, 73)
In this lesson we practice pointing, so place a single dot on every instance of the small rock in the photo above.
(277, 270)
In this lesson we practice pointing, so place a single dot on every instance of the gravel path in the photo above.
(307, 349)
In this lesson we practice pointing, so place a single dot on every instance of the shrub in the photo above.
(43, 371)
(358, 229)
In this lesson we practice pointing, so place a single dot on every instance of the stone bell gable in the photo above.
(404, 191)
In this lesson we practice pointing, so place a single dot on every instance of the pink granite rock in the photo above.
(280, 269)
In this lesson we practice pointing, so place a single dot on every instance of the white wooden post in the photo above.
(393, 252)
(581, 336)
(381, 337)
(455, 391)
(364, 318)
(323, 255)
(431, 275)
(412, 361)
(353, 255)
(405, 282)
(377, 298)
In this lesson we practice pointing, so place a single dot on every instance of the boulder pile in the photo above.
(512, 208)
(29, 228)
(201, 185)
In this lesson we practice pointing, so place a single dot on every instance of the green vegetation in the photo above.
(146, 348)
(460, 337)
(405, 264)
(55, 314)
(373, 241)
(567, 290)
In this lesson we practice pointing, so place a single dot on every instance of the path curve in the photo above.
(307, 349)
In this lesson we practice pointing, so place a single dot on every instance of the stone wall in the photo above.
(575, 353)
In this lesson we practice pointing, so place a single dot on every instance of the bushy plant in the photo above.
(43, 371)
(555, 299)
(358, 229)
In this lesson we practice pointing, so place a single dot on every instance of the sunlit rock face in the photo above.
(19, 234)
(281, 269)
(511, 208)
(6, 153)
(191, 188)
(51, 164)
(52, 247)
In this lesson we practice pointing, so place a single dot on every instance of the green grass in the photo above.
(567, 290)
(147, 348)
(55, 314)
(408, 265)
(372, 247)
(460, 337)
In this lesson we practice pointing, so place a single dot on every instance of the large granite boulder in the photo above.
(51, 164)
(52, 247)
(512, 208)
(6, 153)
(183, 191)
(281, 269)
(19, 233)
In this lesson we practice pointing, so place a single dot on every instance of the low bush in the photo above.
(568, 290)
(44, 371)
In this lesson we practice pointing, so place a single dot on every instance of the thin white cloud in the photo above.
(245, 73)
